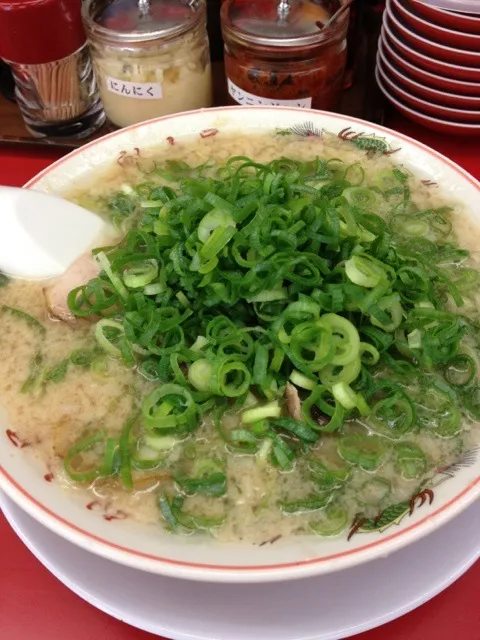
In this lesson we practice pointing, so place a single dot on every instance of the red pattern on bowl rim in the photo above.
(431, 48)
(448, 19)
(453, 114)
(427, 62)
(433, 31)
(428, 79)
(420, 90)
(429, 122)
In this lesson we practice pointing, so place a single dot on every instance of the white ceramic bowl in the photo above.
(150, 548)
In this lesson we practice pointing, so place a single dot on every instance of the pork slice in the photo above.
(294, 406)
(80, 272)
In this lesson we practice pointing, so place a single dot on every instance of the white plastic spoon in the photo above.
(42, 235)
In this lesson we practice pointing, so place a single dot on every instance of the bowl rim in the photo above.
(384, 59)
(385, 44)
(474, 36)
(475, 55)
(400, 105)
(448, 65)
(244, 573)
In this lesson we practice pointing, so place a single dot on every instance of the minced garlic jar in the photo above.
(151, 57)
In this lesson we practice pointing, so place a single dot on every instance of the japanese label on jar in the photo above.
(141, 90)
(243, 97)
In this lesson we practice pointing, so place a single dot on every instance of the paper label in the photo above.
(139, 90)
(243, 97)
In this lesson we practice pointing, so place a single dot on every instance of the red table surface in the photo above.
(36, 606)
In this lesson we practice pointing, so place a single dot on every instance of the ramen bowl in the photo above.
(81, 520)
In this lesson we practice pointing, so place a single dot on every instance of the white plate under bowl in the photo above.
(151, 549)
(322, 608)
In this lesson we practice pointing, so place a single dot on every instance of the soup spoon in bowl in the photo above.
(42, 235)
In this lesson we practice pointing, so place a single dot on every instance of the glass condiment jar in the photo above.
(151, 57)
(278, 53)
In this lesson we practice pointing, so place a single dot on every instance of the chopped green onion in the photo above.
(169, 406)
(79, 474)
(297, 428)
(271, 410)
(309, 504)
(214, 485)
(461, 370)
(336, 411)
(410, 460)
(345, 339)
(333, 522)
(33, 322)
(360, 197)
(140, 274)
(327, 479)
(301, 380)
(214, 220)
(365, 451)
(115, 329)
(116, 281)
(200, 374)
(364, 271)
(345, 395)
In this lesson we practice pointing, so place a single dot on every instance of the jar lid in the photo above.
(141, 20)
(282, 23)
(40, 31)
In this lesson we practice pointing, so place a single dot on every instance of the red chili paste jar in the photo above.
(278, 53)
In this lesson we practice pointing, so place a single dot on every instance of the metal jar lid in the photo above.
(281, 23)
(140, 21)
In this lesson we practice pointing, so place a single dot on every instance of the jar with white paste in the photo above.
(151, 57)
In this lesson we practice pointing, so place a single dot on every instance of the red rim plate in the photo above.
(430, 48)
(428, 79)
(439, 67)
(429, 122)
(449, 19)
(452, 114)
(419, 90)
(432, 31)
